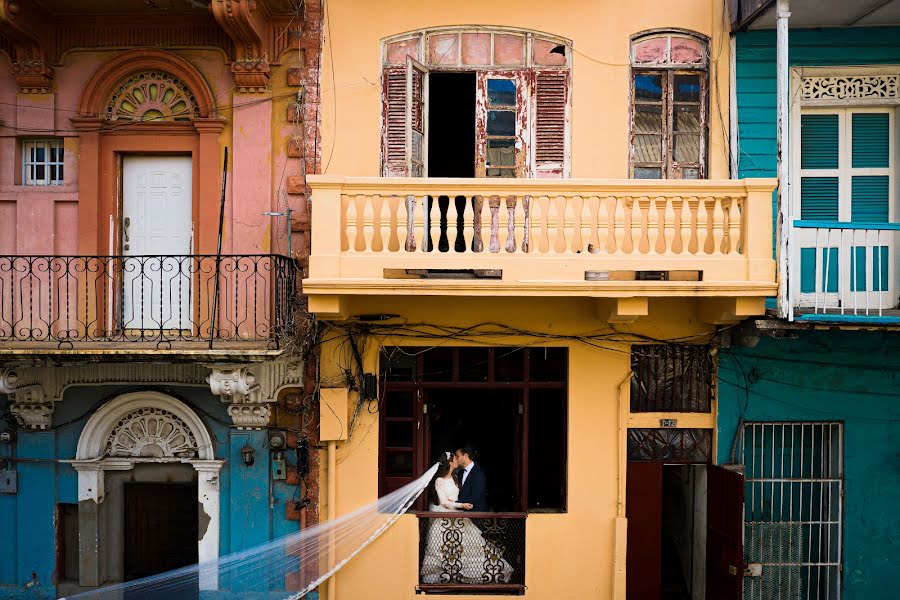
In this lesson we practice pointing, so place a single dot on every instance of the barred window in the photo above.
(42, 162)
(671, 378)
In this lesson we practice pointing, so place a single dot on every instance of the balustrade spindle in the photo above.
(698, 225)
(614, 222)
(479, 220)
(734, 226)
(718, 225)
(683, 226)
(629, 209)
(667, 216)
(576, 216)
(512, 229)
(526, 204)
(494, 206)
(592, 206)
(503, 224)
(433, 216)
(379, 208)
(559, 213)
(644, 243)
(413, 233)
(452, 223)
(468, 223)
(368, 229)
(394, 225)
(349, 243)
(541, 224)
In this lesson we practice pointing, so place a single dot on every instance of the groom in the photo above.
(473, 486)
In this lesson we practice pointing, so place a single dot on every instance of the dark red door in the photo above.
(643, 508)
(724, 536)
(160, 527)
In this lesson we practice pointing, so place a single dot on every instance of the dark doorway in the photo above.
(160, 527)
(490, 421)
(451, 124)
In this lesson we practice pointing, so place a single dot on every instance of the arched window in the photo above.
(669, 84)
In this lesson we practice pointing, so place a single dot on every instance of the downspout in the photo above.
(332, 513)
(783, 224)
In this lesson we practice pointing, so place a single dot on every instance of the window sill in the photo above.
(499, 589)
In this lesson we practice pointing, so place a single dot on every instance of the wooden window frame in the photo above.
(418, 388)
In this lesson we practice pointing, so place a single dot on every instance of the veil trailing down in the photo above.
(456, 550)
(306, 558)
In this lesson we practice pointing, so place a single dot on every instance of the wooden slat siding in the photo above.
(755, 78)
(551, 99)
(394, 118)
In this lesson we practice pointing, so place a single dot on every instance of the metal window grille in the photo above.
(671, 378)
(670, 445)
(42, 162)
(793, 508)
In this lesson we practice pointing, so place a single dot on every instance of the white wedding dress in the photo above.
(455, 549)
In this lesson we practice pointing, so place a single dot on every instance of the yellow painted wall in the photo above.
(599, 30)
(568, 556)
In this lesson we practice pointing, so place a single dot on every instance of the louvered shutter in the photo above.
(870, 194)
(819, 149)
(394, 163)
(551, 103)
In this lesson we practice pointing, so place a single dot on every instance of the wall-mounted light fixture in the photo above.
(248, 455)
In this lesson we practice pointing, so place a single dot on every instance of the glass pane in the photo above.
(60, 172)
(53, 176)
(40, 173)
(501, 153)
(648, 173)
(508, 173)
(397, 365)
(398, 404)
(648, 118)
(687, 148)
(509, 364)
(690, 173)
(648, 86)
(399, 464)
(38, 154)
(647, 148)
(687, 88)
(547, 449)
(548, 364)
(687, 118)
(437, 365)
(473, 364)
(501, 122)
(501, 92)
(399, 434)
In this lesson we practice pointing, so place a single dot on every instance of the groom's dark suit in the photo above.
(474, 488)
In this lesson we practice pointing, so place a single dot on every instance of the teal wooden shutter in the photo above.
(819, 149)
(871, 149)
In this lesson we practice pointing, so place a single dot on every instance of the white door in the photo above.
(157, 242)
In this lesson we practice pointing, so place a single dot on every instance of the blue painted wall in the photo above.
(846, 376)
(252, 512)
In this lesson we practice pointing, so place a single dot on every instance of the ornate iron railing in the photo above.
(159, 299)
(470, 552)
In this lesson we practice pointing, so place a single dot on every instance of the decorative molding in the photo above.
(28, 29)
(31, 406)
(246, 22)
(151, 433)
(250, 389)
(152, 95)
(839, 88)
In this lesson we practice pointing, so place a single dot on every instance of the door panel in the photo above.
(157, 224)
(643, 509)
(160, 528)
(724, 538)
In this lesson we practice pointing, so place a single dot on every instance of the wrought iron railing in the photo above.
(469, 552)
(158, 299)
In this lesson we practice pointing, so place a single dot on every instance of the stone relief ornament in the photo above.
(151, 433)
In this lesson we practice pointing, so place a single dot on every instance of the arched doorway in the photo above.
(142, 439)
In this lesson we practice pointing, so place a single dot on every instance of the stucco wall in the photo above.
(832, 376)
(599, 30)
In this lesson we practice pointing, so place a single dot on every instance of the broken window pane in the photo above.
(648, 87)
(691, 173)
(648, 173)
(687, 88)
(501, 92)
(687, 148)
(501, 153)
(647, 148)
(648, 118)
(501, 122)
(687, 119)
(511, 173)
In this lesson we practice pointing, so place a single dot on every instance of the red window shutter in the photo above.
(551, 101)
(394, 116)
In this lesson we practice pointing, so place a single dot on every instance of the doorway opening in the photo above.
(451, 124)
(161, 527)
(489, 422)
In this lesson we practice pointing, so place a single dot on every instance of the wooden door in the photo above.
(160, 527)
(724, 536)
(643, 508)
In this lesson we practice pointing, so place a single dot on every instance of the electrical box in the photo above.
(9, 482)
(279, 468)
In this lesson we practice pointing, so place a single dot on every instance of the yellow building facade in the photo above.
(515, 203)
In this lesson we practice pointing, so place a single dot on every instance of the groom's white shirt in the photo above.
(466, 473)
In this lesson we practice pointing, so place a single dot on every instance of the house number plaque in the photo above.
(668, 423)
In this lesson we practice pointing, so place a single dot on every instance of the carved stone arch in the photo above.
(174, 69)
(139, 417)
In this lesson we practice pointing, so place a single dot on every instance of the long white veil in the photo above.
(304, 559)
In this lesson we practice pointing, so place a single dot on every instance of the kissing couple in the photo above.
(464, 556)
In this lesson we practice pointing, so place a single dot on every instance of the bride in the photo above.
(462, 556)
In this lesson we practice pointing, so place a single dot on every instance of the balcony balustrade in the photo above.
(161, 301)
(472, 552)
(561, 236)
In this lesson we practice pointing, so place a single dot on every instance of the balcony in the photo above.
(503, 237)
(472, 552)
(844, 272)
(146, 304)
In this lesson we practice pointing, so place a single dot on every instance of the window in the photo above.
(42, 162)
(671, 378)
(508, 403)
(668, 117)
(792, 508)
(500, 132)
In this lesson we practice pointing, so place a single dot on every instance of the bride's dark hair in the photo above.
(442, 470)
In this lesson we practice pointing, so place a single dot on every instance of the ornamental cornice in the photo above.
(28, 29)
(246, 22)
(251, 389)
